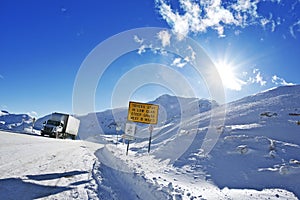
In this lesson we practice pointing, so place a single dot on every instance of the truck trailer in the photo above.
(61, 125)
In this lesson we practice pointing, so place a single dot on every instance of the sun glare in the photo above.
(229, 76)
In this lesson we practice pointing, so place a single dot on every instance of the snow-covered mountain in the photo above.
(171, 110)
(256, 156)
(15, 122)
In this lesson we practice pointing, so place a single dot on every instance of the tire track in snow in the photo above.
(87, 191)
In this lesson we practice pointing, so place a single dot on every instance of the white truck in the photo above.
(61, 125)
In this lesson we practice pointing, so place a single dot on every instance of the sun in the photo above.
(228, 75)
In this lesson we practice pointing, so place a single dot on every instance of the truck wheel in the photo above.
(42, 134)
(73, 137)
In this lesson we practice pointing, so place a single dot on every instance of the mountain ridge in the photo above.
(168, 103)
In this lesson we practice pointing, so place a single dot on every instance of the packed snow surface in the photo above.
(33, 167)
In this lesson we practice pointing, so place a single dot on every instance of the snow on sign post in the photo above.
(143, 113)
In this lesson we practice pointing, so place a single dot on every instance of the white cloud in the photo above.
(1, 77)
(165, 38)
(198, 16)
(280, 81)
(178, 23)
(178, 62)
(269, 23)
(142, 49)
(257, 78)
(138, 40)
(192, 55)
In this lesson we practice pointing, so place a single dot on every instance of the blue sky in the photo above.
(254, 44)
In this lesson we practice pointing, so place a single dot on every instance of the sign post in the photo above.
(143, 113)
(33, 122)
(150, 138)
(127, 147)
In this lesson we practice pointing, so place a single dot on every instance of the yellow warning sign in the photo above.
(142, 112)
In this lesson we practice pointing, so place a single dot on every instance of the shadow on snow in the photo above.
(18, 188)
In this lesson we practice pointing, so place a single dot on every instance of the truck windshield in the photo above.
(54, 123)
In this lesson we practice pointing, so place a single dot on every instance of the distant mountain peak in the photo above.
(4, 112)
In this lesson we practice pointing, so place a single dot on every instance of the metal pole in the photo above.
(150, 140)
(127, 147)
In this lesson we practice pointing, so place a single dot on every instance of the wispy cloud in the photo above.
(280, 81)
(178, 62)
(269, 23)
(199, 16)
(1, 77)
(142, 49)
(165, 38)
(295, 27)
(257, 78)
(137, 39)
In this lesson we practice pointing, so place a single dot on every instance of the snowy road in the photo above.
(34, 167)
